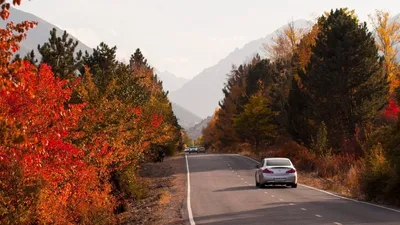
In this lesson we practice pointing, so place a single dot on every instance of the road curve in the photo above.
(222, 191)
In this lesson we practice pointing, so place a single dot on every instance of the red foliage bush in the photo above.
(36, 123)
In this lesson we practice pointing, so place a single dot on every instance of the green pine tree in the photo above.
(60, 53)
(31, 57)
(138, 61)
(344, 81)
(102, 64)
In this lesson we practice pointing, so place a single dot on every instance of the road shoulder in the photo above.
(165, 201)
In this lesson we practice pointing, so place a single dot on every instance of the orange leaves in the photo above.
(34, 106)
(11, 35)
(137, 112)
(5, 7)
(156, 120)
(56, 157)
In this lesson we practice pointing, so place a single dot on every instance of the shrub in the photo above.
(329, 166)
(354, 178)
(320, 145)
(132, 185)
(377, 174)
(299, 155)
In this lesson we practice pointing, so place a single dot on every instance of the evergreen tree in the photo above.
(31, 57)
(344, 81)
(259, 75)
(137, 60)
(17, 57)
(59, 52)
(102, 64)
(298, 126)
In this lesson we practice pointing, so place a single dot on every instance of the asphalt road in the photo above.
(222, 191)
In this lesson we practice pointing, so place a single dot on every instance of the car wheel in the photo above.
(294, 185)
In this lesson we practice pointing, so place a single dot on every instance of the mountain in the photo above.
(170, 81)
(397, 18)
(186, 118)
(196, 131)
(38, 35)
(204, 91)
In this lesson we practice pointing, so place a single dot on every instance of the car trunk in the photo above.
(279, 170)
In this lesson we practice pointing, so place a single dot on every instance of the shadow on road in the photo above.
(214, 162)
(242, 188)
(283, 213)
(245, 188)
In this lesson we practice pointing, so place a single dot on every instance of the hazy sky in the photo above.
(185, 36)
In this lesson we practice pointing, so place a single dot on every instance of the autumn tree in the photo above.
(60, 53)
(299, 125)
(11, 35)
(344, 79)
(285, 43)
(233, 102)
(388, 38)
(255, 123)
(209, 133)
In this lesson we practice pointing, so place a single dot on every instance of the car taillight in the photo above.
(291, 171)
(267, 171)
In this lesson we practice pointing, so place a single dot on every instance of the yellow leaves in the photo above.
(285, 44)
(387, 37)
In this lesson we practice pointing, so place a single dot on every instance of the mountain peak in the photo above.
(204, 91)
(170, 81)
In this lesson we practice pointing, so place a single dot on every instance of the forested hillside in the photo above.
(332, 94)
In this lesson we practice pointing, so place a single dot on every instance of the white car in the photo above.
(276, 171)
(193, 149)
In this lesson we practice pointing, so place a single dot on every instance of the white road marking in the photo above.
(241, 178)
(318, 215)
(266, 192)
(189, 207)
(291, 204)
(273, 196)
(337, 223)
(281, 200)
(250, 185)
(303, 209)
(238, 175)
(338, 196)
(246, 182)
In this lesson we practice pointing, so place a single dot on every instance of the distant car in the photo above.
(193, 149)
(202, 149)
(187, 149)
(276, 171)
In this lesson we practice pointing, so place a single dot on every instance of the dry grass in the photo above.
(165, 198)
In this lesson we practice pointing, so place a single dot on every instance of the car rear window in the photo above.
(278, 162)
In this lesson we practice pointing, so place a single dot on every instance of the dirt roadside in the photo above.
(165, 199)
